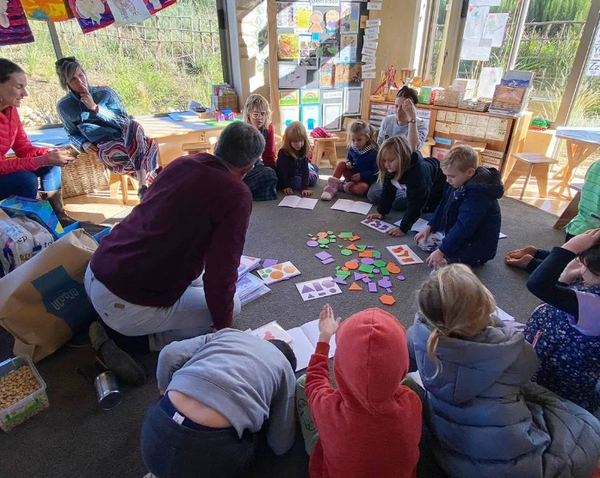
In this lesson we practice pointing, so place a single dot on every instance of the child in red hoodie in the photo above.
(370, 426)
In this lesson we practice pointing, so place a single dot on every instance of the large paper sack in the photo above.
(43, 303)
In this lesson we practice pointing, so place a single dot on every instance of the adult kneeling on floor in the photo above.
(169, 269)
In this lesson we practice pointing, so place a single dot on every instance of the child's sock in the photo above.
(331, 189)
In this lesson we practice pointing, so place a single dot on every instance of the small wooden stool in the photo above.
(325, 147)
(531, 163)
(117, 180)
(195, 148)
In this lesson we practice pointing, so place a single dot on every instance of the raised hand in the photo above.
(327, 324)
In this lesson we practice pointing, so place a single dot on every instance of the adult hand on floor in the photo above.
(327, 324)
(583, 242)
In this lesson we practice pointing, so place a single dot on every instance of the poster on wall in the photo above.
(288, 98)
(291, 76)
(316, 20)
(327, 74)
(285, 14)
(348, 46)
(494, 28)
(287, 46)
(342, 75)
(288, 115)
(302, 13)
(332, 22)
(309, 97)
(332, 117)
(308, 52)
(310, 115)
(329, 48)
(352, 101)
(475, 22)
(349, 18)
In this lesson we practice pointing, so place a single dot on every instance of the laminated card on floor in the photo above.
(357, 207)
(318, 288)
(297, 202)
(404, 255)
(378, 225)
(278, 272)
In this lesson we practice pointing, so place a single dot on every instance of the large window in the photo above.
(155, 66)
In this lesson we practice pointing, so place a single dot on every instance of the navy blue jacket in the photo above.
(470, 217)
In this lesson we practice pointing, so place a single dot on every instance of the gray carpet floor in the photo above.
(74, 438)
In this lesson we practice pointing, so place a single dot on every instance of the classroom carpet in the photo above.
(75, 438)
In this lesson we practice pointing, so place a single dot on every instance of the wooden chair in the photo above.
(116, 180)
(530, 164)
(195, 148)
(325, 147)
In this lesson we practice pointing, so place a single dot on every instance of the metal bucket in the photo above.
(107, 390)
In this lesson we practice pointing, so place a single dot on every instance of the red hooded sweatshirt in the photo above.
(370, 426)
(12, 135)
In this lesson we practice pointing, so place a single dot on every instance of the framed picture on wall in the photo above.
(332, 117)
(288, 114)
(352, 101)
(310, 97)
(291, 76)
(310, 115)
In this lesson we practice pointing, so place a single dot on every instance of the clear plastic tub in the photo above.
(28, 406)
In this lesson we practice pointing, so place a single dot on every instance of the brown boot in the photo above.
(56, 201)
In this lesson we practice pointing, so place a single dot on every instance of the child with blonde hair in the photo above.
(469, 214)
(360, 168)
(262, 179)
(293, 168)
(402, 168)
(483, 416)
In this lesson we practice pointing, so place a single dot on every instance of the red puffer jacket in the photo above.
(12, 135)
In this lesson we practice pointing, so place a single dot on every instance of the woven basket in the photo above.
(83, 176)
(225, 102)
(448, 97)
(515, 105)
(474, 105)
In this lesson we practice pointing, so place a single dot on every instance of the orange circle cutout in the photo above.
(351, 265)
(322, 235)
(289, 269)
(276, 275)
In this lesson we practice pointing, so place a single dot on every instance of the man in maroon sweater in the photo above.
(169, 269)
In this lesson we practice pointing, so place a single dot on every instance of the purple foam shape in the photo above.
(358, 276)
(306, 289)
(328, 283)
(385, 283)
(323, 255)
(329, 260)
(367, 260)
(372, 287)
(376, 271)
(366, 280)
(339, 280)
(376, 256)
(312, 243)
(269, 262)
(356, 260)
(401, 277)
(370, 247)
(389, 291)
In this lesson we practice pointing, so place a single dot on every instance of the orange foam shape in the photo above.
(344, 268)
(290, 269)
(322, 235)
(277, 267)
(351, 265)
(355, 286)
(276, 275)
(408, 259)
(387, 300)
(392, 268)
(365, 254)
(355, 238)
(352, 247)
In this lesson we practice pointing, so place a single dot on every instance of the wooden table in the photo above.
(581, 142)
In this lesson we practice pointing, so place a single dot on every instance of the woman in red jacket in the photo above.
(21, 175)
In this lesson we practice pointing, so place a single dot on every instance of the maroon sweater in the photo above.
(192, 219)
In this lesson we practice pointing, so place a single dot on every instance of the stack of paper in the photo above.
(249, 288)
(247, 264)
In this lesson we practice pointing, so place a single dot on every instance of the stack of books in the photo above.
(249, 287)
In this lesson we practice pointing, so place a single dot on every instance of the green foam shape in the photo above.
(384, 271)
(323, 241)
(343, 274)
(361, 248)
(330, 232)
(379, 264)
(366, 268)
(346, 235)
(346, 252)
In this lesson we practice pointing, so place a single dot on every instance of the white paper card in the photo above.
(417, 226)
(374, 6)
(378, 225)
(372, 36)
(369, 51)
(357, 207)
(372, 31)
(370, 44)
(297, 202)
(369, 67)
(374, 23)
(404, 255)
(318, 288)
(369, 75)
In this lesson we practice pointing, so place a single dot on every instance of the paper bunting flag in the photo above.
(92, 14)
(14, 28)
(128, 11)
(157, 5)
(46, 10)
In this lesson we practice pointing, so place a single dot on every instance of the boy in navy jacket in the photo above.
(469, 214)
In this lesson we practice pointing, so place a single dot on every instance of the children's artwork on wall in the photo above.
(309, 97)
(316, 18)
(285, 14)
(291, 76)
(308, 52)
(14, 27)
(128, 11)
(327, 74)
(302, 12)
(332, 22)
(48, 10)
(332, 117)
(348, 45)
(356, 76)
(349, 18)
(288, 114)
(92, 14)
(287, 98)
(342, 75)
(287, 46)
(352, 101)
(155, 6)
(310, 115)
(329, 48)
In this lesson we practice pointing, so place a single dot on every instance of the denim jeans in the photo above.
(27, 183)
(178, 451)
(374, 196)
(188, 317)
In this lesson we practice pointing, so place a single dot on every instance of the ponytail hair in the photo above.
(362, 127)
(455, 304)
